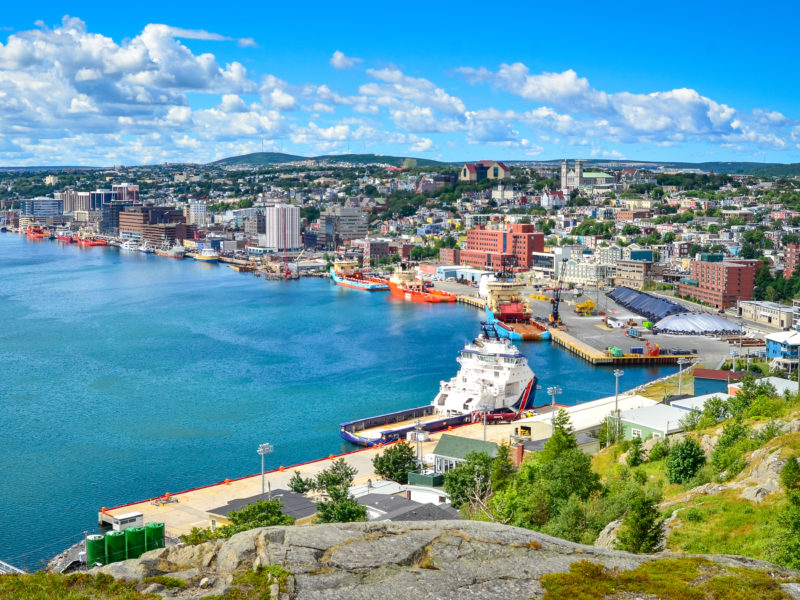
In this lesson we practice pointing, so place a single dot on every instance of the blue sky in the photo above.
(152, 82)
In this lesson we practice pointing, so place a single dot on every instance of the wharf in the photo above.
(194, 507)
(473, 301)
(600, 357)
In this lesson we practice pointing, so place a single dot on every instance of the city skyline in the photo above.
(169, 85)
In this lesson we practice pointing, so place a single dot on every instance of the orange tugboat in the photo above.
(36, 232)
(404, 283)
(347, 274)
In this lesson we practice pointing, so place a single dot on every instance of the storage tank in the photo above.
(134, 542)
(154, 535)
(115, 546)
(95, 550)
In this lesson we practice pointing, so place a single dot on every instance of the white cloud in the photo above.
(340, 61)
(201, 34)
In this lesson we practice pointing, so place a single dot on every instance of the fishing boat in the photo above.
(208, 255)
(175, 251)
(146, 248)
(64, 235)
(404, 283)
(129, 246)
(346, 273)
(507, 310)
(494, 382)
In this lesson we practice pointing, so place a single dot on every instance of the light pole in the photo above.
(553, 390)
(681, 362)
(617, 374)
(262, 450)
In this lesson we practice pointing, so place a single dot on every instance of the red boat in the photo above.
(63, 236)
(91, 241)
(404, 283)
(36, 232)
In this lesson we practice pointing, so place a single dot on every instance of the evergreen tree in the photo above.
(641, 527)
(563, 438)
(396, 462)
(684, 460)
(340, 507)
(471, 478)
(790, 474)
(636, 453)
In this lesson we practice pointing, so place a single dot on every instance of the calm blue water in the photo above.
(124, 376)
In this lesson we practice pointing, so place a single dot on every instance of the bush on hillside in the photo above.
(660, 450)
(641, 527)
(790, 474)
(636, 453)
(684, 460)
(396, 462)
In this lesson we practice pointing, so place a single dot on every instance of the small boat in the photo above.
(208, 255)
(404, 283)
(146, 248)
(176, 251)
(129, 245)
(494, 381)
(347, 274)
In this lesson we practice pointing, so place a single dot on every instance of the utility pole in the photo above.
(262, 450)
(617, 374)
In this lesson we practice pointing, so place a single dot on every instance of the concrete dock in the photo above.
(184, 510)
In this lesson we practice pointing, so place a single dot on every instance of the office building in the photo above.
(494, 248)
(154, 224)
(126, 192)
(341, 224)
(255, 224)
(98, 198)
(41, 207)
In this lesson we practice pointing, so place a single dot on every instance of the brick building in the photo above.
(632, 273)
(154, 224)
(720, 283)
(450, 256)
(632, 214)
(488, 248)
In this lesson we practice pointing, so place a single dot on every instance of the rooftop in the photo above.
(453, 446)
(657, 416)
(295, 505)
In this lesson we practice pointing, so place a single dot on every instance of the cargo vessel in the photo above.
(494, 380)
(64, 236)
(347, 274)
(509, 313)
(404, 283)
(176, 251)
(91, 241)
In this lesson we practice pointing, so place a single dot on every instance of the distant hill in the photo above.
(277, 158)
(732, 168)
(779, 170)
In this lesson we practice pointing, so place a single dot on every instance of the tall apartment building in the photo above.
(720, 283)
(340, 224)
(42, 207)
(195, 213)
(791, 260)
(490, 248)
(98, 198)
(126, 192)
(282, 228)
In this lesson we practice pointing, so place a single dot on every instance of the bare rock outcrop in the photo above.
(441, 559)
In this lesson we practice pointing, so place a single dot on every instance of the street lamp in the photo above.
(262, 450)
(553, 391)
(617, 374)
(681, 362)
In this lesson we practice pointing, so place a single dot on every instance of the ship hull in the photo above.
(365, 285)
(65, 238)
(517, 332)
(169, 254)
(430, 297)
(206, 259)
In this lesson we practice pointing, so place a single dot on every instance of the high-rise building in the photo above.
(282, 228)
(791, 260)
(496, 248)
(42, 207)
(154, 224)
(126, 192)
(255, 224)
(98, 198)
(340, 224)
(196, 213)
(110, 221)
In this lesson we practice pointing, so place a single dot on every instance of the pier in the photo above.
(473, 301)
(601, 357)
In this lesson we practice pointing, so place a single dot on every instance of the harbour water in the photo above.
(125, 376)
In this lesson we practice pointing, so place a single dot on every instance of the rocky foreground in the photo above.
(442, 559)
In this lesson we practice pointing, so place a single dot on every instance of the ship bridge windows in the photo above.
(442, 398)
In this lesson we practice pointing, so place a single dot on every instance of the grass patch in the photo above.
(678, 579)
(166, 581)
(82, 586)
(727, 524)
(254, 585)
(657, 390)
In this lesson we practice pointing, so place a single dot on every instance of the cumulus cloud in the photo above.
(340, 61)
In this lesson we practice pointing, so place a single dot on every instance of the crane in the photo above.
(555, 318)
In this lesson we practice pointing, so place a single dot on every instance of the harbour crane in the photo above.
(554, 317)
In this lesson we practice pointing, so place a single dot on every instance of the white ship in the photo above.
(494, 380)
(146, 248)
(208, 255)
(176, 251)
(129, 246)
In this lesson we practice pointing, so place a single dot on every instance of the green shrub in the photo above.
(728, 455)
(166, 581)
(767, 407)
(684, 460)
(641, 527)
(693, 515)
(635, 454)
(659, 451)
